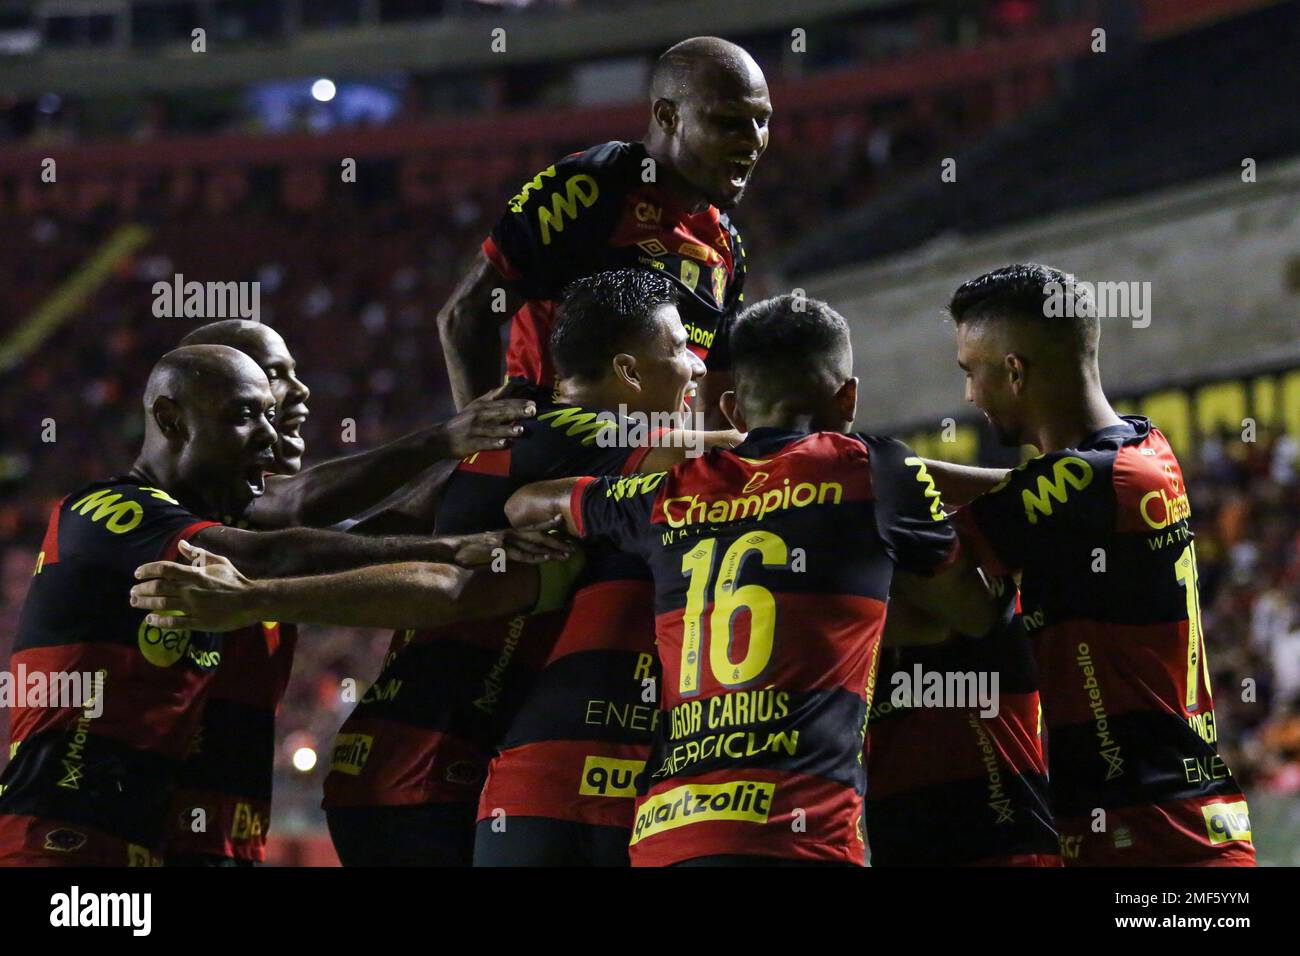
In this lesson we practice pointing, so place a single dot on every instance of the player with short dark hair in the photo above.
(658, 204)
(1097, 526)
(772, 565)
(410, 762)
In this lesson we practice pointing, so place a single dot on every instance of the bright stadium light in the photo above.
(323, 90)
(304, 759)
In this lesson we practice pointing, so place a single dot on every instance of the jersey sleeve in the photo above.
(910, 516)
(539, 240)
(124, 526)
(616, 510)
(1056, 492)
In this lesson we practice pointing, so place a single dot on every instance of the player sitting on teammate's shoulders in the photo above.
(773, 562)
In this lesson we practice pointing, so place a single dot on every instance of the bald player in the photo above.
(89, 780)
(221, 810)
(345, 487)
(1097, 527)
(660, 204)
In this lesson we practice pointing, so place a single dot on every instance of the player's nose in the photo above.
(298, 390)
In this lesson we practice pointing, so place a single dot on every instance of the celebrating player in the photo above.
(772, 565)
(228, 774)
(90, 784)
(410, 761)
(657, 204)
(1098, 528)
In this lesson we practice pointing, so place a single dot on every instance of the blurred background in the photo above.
(1164, 149)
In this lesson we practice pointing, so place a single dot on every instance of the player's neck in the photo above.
(668, 179)
(160, 475)
(1072, 422)
(569, 391)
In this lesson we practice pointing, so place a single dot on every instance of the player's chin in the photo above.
(288, 455)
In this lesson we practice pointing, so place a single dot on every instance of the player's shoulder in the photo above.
(1084, 464)
(561, 436)
(607, 162)
(117, 504)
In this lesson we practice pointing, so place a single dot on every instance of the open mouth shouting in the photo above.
(738, 170)
(255, 473)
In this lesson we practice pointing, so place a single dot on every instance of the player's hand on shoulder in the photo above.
(489, 422)
(210, 593)
(532, 544)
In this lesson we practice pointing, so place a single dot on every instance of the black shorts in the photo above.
(434, 834)
(542, 841)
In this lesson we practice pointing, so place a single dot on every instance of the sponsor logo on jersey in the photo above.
(351, 751)
(696, 251)
(931, 492)
(577, 422)
(1068, 471)
(610, 777)
(744, 801)
(681, 512)
(648, 212)
(163, 647)
(577, 189)
(719, 284)
(1225, 822)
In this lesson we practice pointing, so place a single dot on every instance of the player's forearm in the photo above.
(296, 551)
(343, 487)
(407, 595)
(906, 625)
(413, 509)
(678, 446)
(961, 484)
(958, 597)
(540, 502)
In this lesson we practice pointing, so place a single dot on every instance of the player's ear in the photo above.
(731, 409)
(664, 113)
(167, 415)
(846, 400)
(1014, 366)
(625, 371)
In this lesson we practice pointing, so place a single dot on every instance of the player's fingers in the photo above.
(555, 523)
(542, 541)
(156, 587)
(159, 602)
(493, 433)
(165, 569)
(507, 410)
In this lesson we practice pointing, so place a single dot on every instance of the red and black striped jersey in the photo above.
(90, 785)
(231, 762)
(577, 748)
(426, 729)
(594, 211)
(1100, 536)
(958, 782)
(772, 565)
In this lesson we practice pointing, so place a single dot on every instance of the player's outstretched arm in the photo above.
(961, 484)
(543, 502)
(690, 443)
(958, 597)
(334, 490)
(295, 551)
(468, 326)
(214, 596)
